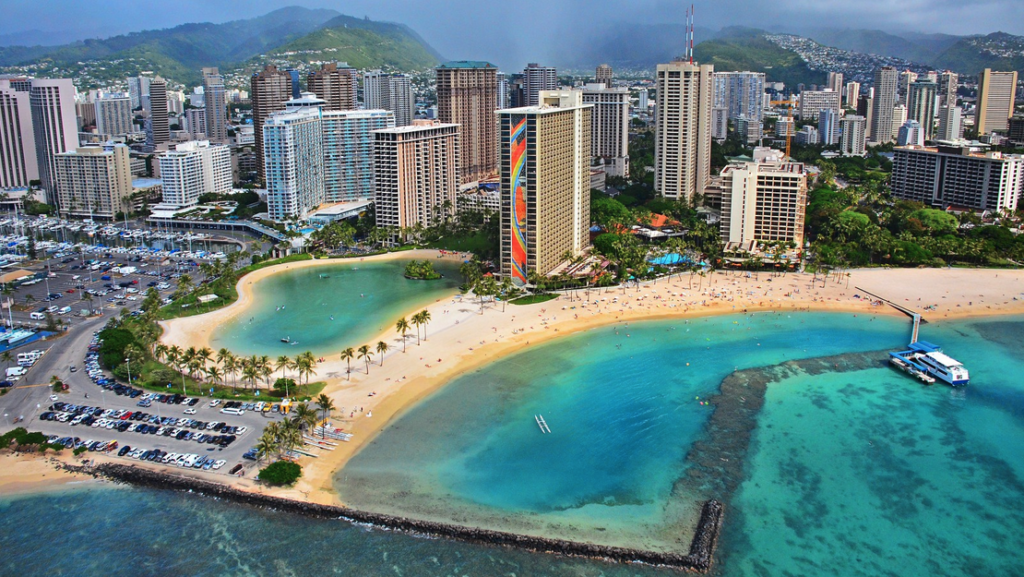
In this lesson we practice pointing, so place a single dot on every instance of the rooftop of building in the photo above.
(416, 126)
(972, 149)
(467, 64)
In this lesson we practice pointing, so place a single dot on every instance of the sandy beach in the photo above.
(461, 339)
(32, 473)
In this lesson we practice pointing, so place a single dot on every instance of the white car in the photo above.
(219, 463)
(214, 402)
(190, 411)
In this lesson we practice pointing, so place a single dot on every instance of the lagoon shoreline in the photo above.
(463, 336)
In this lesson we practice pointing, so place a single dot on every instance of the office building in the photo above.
(294, 162)
(158, 129)
(682, 145)
(828, 127)
(812, 102)
(610, 127)
(899, 116)
(948, 84)
(852, 94)
(215, 102)
(719, 123)
(951, 125)
(910, 134)
(94, 181)
(54, 127)
(504, 94)
(348, 144)
(741, 93)
(1016, 132)
(113, 115)
(296, 87)
(416, 174)
(384, 91)
(269, 89)
(195, 122)
(853, 137)
(466, 95)
(193, 169)
(138, 86)
(537, 78)
(545, 183)
(882, 105)
(835, 82)
(922, 100)
(336, 85)
(604, 75)
(996, 94)
(764, 201)
(18, 163)
(958, 176)
(807, 136)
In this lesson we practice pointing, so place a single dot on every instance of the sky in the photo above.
(536, 29)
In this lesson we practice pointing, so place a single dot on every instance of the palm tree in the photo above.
(284, 362)
(416, 320)
(402, 326)
(250, 373)
(365, 355)
(173, 355)
(290, 435)
(222, 355)
(308, 364)
(267, 444)
(304, 415)
(230, 365)
(326, 406)
(265, 367)
(214, 374)
(382, 348)
(205, 355)
(347, 355)
(424, 319)
(160, 351)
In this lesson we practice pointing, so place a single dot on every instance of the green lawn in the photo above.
(475, 243)
(534, 299)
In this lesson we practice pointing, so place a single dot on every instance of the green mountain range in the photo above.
(739, 49)
(998, 51)
(178, 53)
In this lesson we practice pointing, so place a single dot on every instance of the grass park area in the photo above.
(533, 299)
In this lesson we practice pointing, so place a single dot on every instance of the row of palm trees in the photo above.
(201, 364)
(419, 319)
(279, 438)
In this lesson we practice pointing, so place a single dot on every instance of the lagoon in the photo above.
(324, 309)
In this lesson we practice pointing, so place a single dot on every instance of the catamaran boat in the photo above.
(928, 359)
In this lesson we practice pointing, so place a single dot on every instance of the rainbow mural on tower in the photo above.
(518, 142)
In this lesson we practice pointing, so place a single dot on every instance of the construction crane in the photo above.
(789, 127)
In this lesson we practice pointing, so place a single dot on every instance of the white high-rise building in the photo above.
(114, 115)
(764, 201)
(719, 123)
(18, 163)
(921, 105)
(294, 162)
(958, 176)
(682, 149)
(911, 134)
(948, 84)
(812, 102)
(951, 125)
(94, 181)
(195, 122)
(996, 96)
(385, 91)
(537, 78)
(741, 93)
(138, 86)
(215, 98)
(609, 127)
(899, 117)
(348, 152)
(54, 125)
(193, 169)
(883, 125)
(828, 127)
(642, 102)
(852, 94)
(853, 140)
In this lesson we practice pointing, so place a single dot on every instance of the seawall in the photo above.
(698, 559)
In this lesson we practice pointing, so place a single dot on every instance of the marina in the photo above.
(927, 362)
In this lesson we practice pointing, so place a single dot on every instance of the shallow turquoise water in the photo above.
(848, 473)
(364, 299)
(622, 404)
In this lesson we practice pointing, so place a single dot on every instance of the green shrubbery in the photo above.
(280, 473)
(23, 438)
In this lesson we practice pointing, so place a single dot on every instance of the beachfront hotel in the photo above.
(94, 181)
(682, 143)
(958, 175)
(763, 199)
(192, 169)
(467, 95)
(545, 183)
(348, 143)
(416, 173)
(294, 162)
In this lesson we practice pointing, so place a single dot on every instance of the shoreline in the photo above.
(462, 340)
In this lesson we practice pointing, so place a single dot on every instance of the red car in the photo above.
(70, 291)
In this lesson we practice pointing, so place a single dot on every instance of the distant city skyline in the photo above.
(507, 31)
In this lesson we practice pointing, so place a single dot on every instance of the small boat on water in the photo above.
(286, 340)
(927, 362)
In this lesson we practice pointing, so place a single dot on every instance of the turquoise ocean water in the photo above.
(364, 299)
(849, 472)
